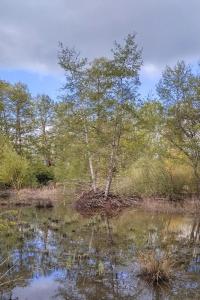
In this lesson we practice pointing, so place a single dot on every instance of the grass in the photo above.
(155, 270)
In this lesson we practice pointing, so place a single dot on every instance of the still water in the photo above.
(57, 254)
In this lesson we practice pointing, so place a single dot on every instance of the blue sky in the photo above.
(167, 30)
(38, 83)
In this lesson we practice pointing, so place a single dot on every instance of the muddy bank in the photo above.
(90, 203)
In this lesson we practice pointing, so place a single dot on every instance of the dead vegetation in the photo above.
(41, 197)
(156, 269)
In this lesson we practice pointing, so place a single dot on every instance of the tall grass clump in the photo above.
(155, 269)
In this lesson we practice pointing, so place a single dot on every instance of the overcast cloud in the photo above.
(167, 30)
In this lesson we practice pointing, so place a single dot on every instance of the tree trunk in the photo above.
(110, 172)
(113, 156)
(46, 150)
(115, 145)
(18, 132)
(92, 172)
(197, 177)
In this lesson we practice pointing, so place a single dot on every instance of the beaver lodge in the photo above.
(90, 203)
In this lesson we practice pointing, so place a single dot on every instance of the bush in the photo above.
(17, 172)
(154, 177)
(14, 170)
(42, 173)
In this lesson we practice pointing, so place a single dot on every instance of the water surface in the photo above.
(57, 254)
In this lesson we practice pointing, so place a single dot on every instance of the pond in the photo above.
(58, 254)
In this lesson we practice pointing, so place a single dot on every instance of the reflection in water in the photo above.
(195, 232)
(59, 255)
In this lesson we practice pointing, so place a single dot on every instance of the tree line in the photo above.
(101, 131)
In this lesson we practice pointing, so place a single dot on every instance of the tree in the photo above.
(175, 86)
(179, 91)
(71, 161)
(76, 78)
(102, 94)
(20, 116)
(4, 112)
(44, 113)
(125, 67)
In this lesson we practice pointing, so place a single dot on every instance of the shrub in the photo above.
(42, 173)
(13, 168)
(153, 177)
(145, 177)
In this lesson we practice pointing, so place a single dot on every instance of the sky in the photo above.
(30, 30)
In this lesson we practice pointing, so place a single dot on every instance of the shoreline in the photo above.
(46, 197)
(187, 206)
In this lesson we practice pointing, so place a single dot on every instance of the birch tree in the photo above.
(44, 112)
(125, 67)
(75, 69)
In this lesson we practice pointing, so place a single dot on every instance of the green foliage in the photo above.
(102, 96)
(71, 168)
(178, 89)
(153, 177)
(14, 169)
(144, 177)
(99, 131)
(19, 111)
(42, 173)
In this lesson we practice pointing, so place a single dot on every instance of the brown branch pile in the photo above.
(90, 203)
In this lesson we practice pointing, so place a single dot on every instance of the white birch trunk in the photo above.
(92, 172)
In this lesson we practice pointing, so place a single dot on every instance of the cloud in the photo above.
(151, 70)
(167, 30)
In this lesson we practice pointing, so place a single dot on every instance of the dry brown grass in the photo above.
(39, 197)
(39, 193)
(155, 270)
